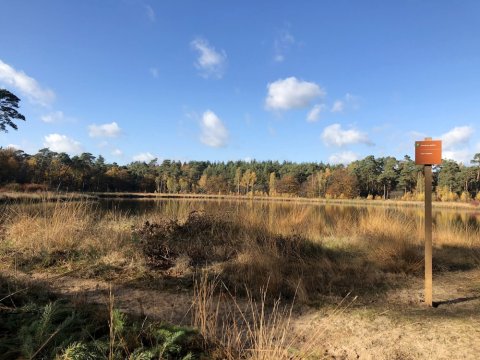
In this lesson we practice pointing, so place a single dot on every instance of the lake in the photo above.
(295, 216)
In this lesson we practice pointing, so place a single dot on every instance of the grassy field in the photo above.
(252, 286)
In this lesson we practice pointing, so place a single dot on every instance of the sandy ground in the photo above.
(395, 326)
(399, 326)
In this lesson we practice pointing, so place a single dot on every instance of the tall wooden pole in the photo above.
(428, 234)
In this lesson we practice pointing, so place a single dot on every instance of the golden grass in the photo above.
(60, 227)
(62, 232)
(301, 249)
(269, 255)
(249, 328)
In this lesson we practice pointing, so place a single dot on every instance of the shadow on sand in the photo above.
(436, 304)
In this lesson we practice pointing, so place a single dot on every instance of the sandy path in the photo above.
(401, 327)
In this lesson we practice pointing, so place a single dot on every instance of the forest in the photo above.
(372, 178)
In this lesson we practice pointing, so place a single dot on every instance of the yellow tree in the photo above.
(238, 179)
(202, 182)
(253, 180)
(248, 180)
(272, 182)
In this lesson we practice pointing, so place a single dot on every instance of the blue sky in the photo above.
(328, 81)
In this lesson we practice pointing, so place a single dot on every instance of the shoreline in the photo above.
(75, 196)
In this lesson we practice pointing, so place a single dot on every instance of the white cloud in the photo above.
(62, 143)
(53, 117)
(282, 44)
(349, 101)
(12, 146)
(154, 72)
(338, 106)
(214, 133)
(210, 62)
(345, 157)
(334, 135)
(352, 100)
(144, 157)
(150, 13)
(106, 130)
(314, 114)
(118, 152)
(26, 84)
(290, 93)
(463, 155)
(459, 135)
(456, 146)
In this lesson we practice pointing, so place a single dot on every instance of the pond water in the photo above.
(296, 213)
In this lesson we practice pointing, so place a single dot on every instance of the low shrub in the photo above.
(34, 324)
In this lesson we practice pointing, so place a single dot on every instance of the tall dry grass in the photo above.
(253, 258)
(59, 232)
(301, 251)
(47, 227)
(248, 328)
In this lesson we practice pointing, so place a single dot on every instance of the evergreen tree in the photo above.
(8, 110)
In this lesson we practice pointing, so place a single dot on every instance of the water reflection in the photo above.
(300, 214)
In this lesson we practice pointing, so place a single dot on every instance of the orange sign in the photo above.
(428, 152)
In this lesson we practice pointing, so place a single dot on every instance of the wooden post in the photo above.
(428, 234)
(428, 153)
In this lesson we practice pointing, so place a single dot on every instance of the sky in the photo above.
(330, 81)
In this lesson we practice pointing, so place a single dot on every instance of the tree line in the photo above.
(384, 177)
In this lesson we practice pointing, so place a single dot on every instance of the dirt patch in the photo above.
(399, 326)
(154, 304)
(395, 326)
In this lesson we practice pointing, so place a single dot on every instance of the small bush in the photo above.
(250, 257)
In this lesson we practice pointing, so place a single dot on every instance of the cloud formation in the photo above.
(25, 84)
(117, 152)
(53, 117)
(150, 13)
(210, 62)
(62, 143)
(282, 44)
(13, 146)
(338, 106)
(462, 155)
(314, 114)
(349, 101)
(459, 135)
(105, 130)
(291, 93)
(144, 157)
(214, 133)
(334, 135)
(345, 157)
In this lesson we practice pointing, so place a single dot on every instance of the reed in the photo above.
(250, 328)
(299, 252)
